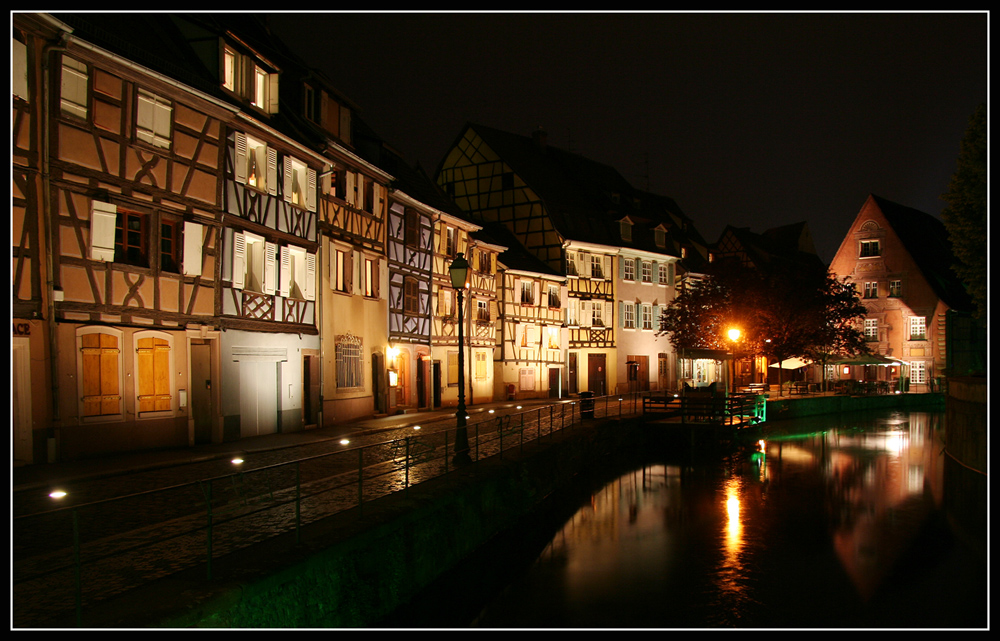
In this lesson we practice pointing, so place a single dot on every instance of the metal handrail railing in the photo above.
(253, 500)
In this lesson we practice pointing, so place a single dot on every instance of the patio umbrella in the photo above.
(865, 359)
(791, 363)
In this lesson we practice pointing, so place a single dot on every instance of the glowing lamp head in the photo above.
(459, 271)
(734, 334)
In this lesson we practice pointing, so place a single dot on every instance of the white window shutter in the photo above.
(310, 277)
(272, 171)
(270, 258)
(193, 241)
(607, 267)
(286, 185)
(359, 191)
(240, 167)
(544, 302)
(585, 315)
(20, 65)
(607, 317)
(239, 260)
(103, 218)
(311, 190)
(285, 275)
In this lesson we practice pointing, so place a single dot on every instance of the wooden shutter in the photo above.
(240, 159)
(239, 260)
(607, 267)
(193, 241)
(285, 272)
(272, 93)
(310, 277)
(356, 272)
(383, 279)
(621, 314)
(153, 361)
(621, 268)
(272, 171)
(99, 355)
(286, 171)
(349, 178)
(270, 260)
(103, 218)
(311, 189)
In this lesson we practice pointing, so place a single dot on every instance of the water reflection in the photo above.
(805, 531)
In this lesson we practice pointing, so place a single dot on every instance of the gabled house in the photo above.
(569, 212)
(125, 226)
(530, 357)
(900, 261)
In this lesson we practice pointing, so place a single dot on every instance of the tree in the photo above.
(965, 216)
(782, 313)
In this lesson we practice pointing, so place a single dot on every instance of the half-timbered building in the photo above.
(409, 252)
(452, 236)
(530, 358)
(564, 209)
(129, 208)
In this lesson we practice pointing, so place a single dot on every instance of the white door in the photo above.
(258, 398)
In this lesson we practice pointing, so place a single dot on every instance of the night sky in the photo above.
(753, 120)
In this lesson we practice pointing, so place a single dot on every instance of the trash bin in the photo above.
(586, 405)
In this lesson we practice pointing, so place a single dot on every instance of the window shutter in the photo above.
(544, 299)
(359, 191)
(517, 291)
(193, 240)
(607, 317)
(621, 268)
(493, 263)
(621, 314)
(607, 266)
(656, 317)
(240, 166)
(285, 275)
(536, 293)
(585, 313)
(272, 93)
(20, 66)
(270, 258)
(239, 260)
(349, 271)
(311, 189)
(310, 277)
(286, 186)
(383, 279)
(349, 196)
(103, 217)
(326, 183)
(655, 273)
(272, 171)
(356, 272)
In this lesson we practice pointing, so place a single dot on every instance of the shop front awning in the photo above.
(708, 354)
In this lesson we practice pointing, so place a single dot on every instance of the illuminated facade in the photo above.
(899, 260)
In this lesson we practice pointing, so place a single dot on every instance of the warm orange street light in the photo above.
(734, 335)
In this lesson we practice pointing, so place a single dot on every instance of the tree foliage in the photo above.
(782, 314)
(965, 215)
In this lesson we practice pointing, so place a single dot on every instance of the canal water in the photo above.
(831, 522)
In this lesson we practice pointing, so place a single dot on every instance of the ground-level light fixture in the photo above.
(344, 441)
(57, 494)
(237, 461)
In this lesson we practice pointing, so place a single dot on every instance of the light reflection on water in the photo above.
(804, 532)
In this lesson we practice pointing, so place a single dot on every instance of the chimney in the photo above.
(540, 138)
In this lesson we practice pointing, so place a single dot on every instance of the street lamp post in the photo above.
(734, 335)
(459, 271)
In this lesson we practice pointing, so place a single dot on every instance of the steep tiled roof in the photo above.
(926, 240)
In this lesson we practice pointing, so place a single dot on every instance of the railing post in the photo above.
(446, 451)
(500, 432)
(406, 467)
(77, 570)
(298, 504)
(361, 473)
(477, 442)
(209, 535)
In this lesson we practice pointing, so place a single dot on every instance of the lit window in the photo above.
(298, 274)
(647, 316)
(629, 269)
(527, 292)
(870, 248)
(871, 329)
(647, 272)
(554, 301)
(895, 288)
(918, 372)
(871, 290)
(918, 328)
(662, 275)
(483, 311)
(450, 241)
(596, 266)
(629, 316)
(341, 270)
